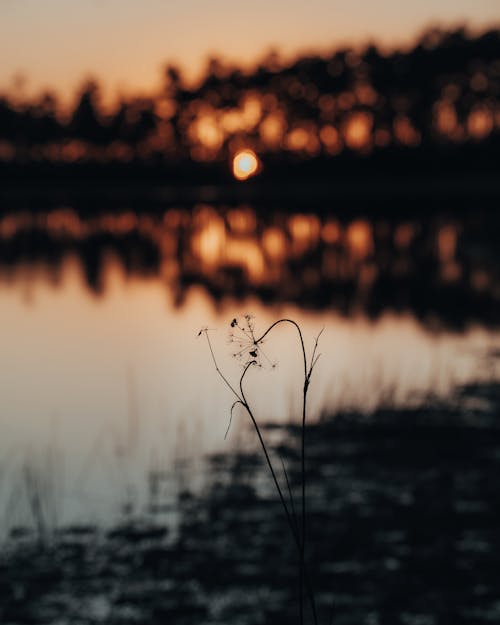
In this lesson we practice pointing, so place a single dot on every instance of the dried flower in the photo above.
(248, 346)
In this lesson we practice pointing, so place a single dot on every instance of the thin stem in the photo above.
(301, 567)
(217, 366)
(303, 471)
(298, 536)
(315, 348)
(266, 454)
(247, 367)
(303, 475)
(295, 533)
(307, 377)
(290, 494)
(238, 401)
(297, 327)
(273, 474)
(299, 540)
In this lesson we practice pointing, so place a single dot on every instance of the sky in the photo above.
(125, 44)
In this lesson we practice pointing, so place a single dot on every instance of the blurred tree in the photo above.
(85, 120)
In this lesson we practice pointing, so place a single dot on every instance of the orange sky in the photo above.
(125, 43)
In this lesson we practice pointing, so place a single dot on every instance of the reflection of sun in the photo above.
(245, 164)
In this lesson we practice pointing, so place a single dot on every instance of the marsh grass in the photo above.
(250, 353)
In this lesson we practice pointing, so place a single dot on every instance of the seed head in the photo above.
(248, 346)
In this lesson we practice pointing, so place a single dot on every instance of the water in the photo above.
(104, 376)
(113, 417)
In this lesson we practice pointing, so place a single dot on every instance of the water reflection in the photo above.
(115, 390)
(443, 269)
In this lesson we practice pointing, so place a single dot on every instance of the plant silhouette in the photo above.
(250, 353)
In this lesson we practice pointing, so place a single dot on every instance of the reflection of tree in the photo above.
(441, 269)
(37, 247)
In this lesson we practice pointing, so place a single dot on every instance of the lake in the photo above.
(112, 409)
(103, 369)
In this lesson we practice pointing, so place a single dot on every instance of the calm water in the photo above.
(104, 380)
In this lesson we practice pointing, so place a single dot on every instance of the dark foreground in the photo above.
(404, 528)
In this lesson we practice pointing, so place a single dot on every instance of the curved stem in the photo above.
(238, 401)
(247, 367)
(303, 445)
(266, 455)
(297, 327)
(273, 474)
(300, 539)
(293, 528)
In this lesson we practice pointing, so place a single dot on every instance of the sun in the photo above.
(245, 164)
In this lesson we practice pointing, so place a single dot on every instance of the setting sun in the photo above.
(245, 164)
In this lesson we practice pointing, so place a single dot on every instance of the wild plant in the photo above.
(250, 353)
